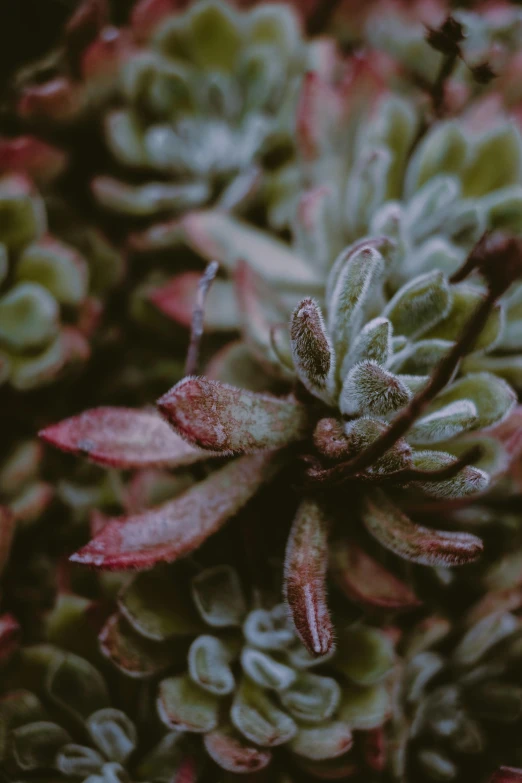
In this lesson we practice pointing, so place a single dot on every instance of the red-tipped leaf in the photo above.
(176, 528)
(233, 753)
(423, 545)
(306, 562)
(507, 775)
(229, 420)
(123, 438)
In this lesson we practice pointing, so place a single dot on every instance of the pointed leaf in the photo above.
(468, 481)
(318, 743)
(219, 598)
(311, 348)
(306, 562)
(420, 304)
(258, 718)
(413, 542)
(209, 665)
(365, 655)
(216, 235)
(465, 301)
(230, 751)
(122, 437)
(370, 390)
(507, 775)
(373, 343)
(222, 418)
(157, 606)
(184, 705)
(173, 530)
(453, 419)
(176, 298)
(493, 398)
(366, 581)
(420, 357)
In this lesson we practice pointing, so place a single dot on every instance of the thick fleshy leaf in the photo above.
(255, 714)
(373, 343)
(370, 390)
(483, 636)
(464, 302)
(318, 743)
(178, 527)
(219, 236)
(453, 419)
(230, 751)
(114, 733)
(33, 157)
(236, 365)
(133, 654)
(219, 598)
(123, 438)
(269, 630)
(507, 775)
(265, 671)
(420, 304)
(78, 761)
(306, 562)
(176, 298)
(157, 606)
(364, 708)
(184, 705)
(365, 655)
(496, 161)
(420, 357)
(148, 200)
(28, 317)
(312, 698)
(468, 481)
(436, 765)
(7, 529)
(35, 745)
(22, 212)
(57, 267)
(363, 431)
(209, 665)
(74, 685)
(366, 581)
(493, 398)
(414, 542)
(504, 209)
(222, 418)
(311, 348)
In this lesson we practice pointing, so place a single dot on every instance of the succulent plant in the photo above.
(247, 686)
(460, 705)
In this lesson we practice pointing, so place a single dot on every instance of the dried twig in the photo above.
(198, 317)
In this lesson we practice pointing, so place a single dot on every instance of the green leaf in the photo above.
(28, 317)
(312, 351)
(312, 698)
(433, 208)
(78, 761)
(147, 200)
(57, 267)
(265, 671)
(442, 150)
(219, 598)
(364, 708)
(275, 25)
(420, 358)
(222, 418)
(496, 161)
(215, 35)
(373, 343)
(365, 655)
(420, 304)
(436, 765)
(135, 655)
(468, 481)
(363, 431)
(124, 135)
(74, 685)
(492, 397)
(503, 209)
(465, 301)
(482, 636)
(113, 733)
(209, 665)
(257, 717)
(370, 390)
(269, 630)
(366, 189)
(184, 705)
(22, 212)
(230, 751)
(453, 419)
(414, 542)
(318, 743)
(35, 745)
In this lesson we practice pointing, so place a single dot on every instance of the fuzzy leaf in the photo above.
(365, 581)
(370, 390)
(311, 348)
(352, 280)
(420, 304)
(265, 671)
(491, 396)
(442, 150)
(365, 655)
(496, 161)
(269, 630)
(432, 208)
(420, 357)
(507, 775)
(123, 438)
(222, 418)
(373, 343)
(306, 562)
(176, 299)
(360, 433)
(148, 200)
(258, 718)
(216, 235)
(114, 733)
(452, 419)
(209, 665)
(134, 655)
(319, 743)
(312, 698)
(504, 209)
(413, 542)
(219, 598)
(184, 705)
(173, 530)
(230, 751)
(364, 708)
(156, 604)
(465, 300)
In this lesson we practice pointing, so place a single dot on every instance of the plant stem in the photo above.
(198, 316)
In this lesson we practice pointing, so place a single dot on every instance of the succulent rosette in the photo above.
(459, 705)
(51, 292)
